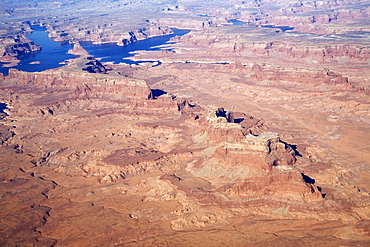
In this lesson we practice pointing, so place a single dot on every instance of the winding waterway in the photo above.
(282, 28)
(110, 52)
(237, 22)
(54, 54)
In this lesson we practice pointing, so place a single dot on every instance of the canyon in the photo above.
(242, 135)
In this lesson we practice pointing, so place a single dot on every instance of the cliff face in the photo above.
(77, 50)
(293, 47)
(329, 17)
(18, 49)
(14, 43)
(185, 22)
(243, 135)
(83, 84)
(324, 53)
(143, 33)
(129, 146)
(189, 130)
(104, 33)
(154, 134)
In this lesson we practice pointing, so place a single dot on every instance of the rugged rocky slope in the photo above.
(191, 22)
(20, 48)
(106, 33)
(102, 22)
(326, 17)
(247, 42)
(316, 115)
(111, 152)
(274, 57)
(242, 135)
(13, 42)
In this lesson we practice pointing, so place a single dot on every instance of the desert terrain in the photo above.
(252, 129)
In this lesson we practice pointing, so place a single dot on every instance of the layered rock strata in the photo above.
(128, 163)
(14, 43)
(111, 132)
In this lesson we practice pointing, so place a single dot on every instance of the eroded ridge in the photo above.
(252, 129)
(111, 146)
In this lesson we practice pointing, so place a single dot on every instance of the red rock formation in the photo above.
(190, 22)
(279, 153)
(283, 47)
(104, 34)
(18, 49)
(155, 148)
(84, 84)
(311, 16)
(14, 42)
(94, 66)
(179, 172)
(288, 185)
(78, 50)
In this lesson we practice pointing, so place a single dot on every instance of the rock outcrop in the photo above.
(103, 33)
(78, 50)
(18, 49)
(86, 85)
(198, 23)
(288, 46)
(13, 47)
(280, 153)
(94, 66)
(310, 16)
(255, 135)
(13, 41)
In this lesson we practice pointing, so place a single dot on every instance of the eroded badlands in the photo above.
(242, 136)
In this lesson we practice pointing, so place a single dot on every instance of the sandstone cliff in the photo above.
(104, 33)
(112, 136)
(83, 84)
(13, 42)
(247, 42)
(244, 135)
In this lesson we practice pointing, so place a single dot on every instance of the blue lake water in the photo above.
(50, 56)
(2, 107)
(236, 22)
(110, 52)
(53, 53)
(282, 28)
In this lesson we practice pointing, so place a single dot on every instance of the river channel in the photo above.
(54, 54)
